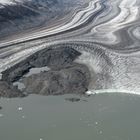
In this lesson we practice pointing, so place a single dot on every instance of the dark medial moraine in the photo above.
(64, 77)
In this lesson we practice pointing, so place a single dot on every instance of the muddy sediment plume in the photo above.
(64, 77)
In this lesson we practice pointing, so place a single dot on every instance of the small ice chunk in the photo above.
(90, 92)
(1, 115)
(96, 123)
(20, 85)
(20, 108)
(23, 117)
(101, 132)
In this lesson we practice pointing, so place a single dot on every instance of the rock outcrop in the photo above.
(9, 91)
(73, 79)
(64, 77)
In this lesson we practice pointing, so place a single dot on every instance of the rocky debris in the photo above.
(55, 58)
(0, 107)
(9, 91)
(16, 72)
(73, 79)
(64, 77)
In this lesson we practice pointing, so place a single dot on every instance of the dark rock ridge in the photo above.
(64, 77)
(55, 58)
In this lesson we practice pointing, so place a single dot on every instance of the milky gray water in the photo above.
(100, 117)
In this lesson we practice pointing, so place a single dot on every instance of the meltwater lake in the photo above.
(110, 116)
